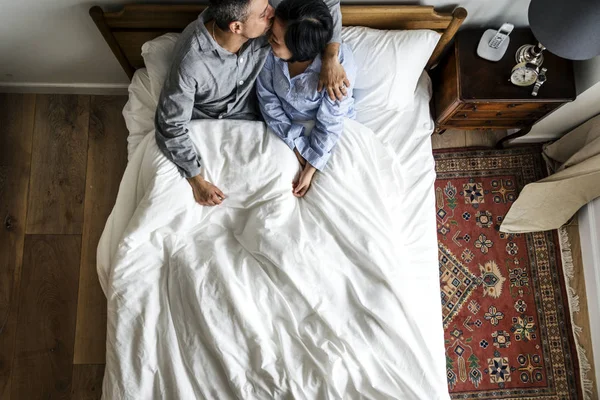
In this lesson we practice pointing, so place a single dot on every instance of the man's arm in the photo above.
(336, 14)
(173, 115)
(333, 78)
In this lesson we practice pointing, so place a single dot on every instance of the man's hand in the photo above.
(301, 159)
(333, 76)
(205, 193)
(302, 183)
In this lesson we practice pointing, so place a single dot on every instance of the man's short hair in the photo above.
(227, 11)
(309, 27)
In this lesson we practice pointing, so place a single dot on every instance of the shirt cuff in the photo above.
(296, 131)
(311, 156)
(189, 169)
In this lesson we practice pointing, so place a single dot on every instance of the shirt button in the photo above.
(241, 82)
(241, 60)
(221, 116)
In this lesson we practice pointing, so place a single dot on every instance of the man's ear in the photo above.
(235, 27)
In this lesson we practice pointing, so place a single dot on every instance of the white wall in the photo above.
(45, 43)
(563, 120)
(585, 106)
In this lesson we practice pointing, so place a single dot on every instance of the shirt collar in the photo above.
(314, 66)
(205, 40)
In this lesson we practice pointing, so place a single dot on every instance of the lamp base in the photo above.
(530, 53)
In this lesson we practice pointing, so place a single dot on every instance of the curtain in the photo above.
(574, 161)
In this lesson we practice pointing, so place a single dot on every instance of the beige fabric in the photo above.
(550, 202)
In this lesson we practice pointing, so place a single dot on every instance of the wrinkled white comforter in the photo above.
(267, 296)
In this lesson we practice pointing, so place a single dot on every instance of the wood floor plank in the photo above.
(43, 363)
(107, 159)
(16, 131)
(58, 165)
(483, 138)
(581, 318)
(87, 382)
(448, 139)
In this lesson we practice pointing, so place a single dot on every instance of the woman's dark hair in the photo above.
(309, 27)
(227, 11)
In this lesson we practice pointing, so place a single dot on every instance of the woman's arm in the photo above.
(271, 108)
(329, 122)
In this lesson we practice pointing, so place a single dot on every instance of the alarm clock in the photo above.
(524, 74)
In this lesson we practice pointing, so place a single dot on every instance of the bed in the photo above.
(268, 296)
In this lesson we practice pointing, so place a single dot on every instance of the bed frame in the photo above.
(127, 30)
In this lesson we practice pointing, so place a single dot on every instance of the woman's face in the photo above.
(277, 40)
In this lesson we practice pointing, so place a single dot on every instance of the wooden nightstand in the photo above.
(473, 93)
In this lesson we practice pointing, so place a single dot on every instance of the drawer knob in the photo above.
(474, 107)
(512, 105)
(498, 113)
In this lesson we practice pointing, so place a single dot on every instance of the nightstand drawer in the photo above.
(487, 123)
(531, 107)
(505, 114)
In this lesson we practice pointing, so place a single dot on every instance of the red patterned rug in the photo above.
(506, 313)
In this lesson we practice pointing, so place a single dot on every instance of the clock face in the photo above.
(523, 76)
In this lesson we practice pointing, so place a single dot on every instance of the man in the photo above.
(217, 60)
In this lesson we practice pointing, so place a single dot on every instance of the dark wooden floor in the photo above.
(61, 162)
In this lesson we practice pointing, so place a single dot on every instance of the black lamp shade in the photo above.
(568, 28)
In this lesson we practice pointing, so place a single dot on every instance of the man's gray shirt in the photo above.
(206, 81)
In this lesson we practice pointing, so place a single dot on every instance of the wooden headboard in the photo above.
(127, 30)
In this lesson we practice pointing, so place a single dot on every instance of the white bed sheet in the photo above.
(130, 366)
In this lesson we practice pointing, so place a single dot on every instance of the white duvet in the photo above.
(270, 296)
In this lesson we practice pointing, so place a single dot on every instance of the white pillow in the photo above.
(158, 54)
(139, 110)
(389, 64)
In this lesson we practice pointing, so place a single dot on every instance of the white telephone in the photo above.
(493, 44)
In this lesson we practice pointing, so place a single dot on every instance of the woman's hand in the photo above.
(301, 159)
(301, 185)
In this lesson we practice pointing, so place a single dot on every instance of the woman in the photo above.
(287, 86)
